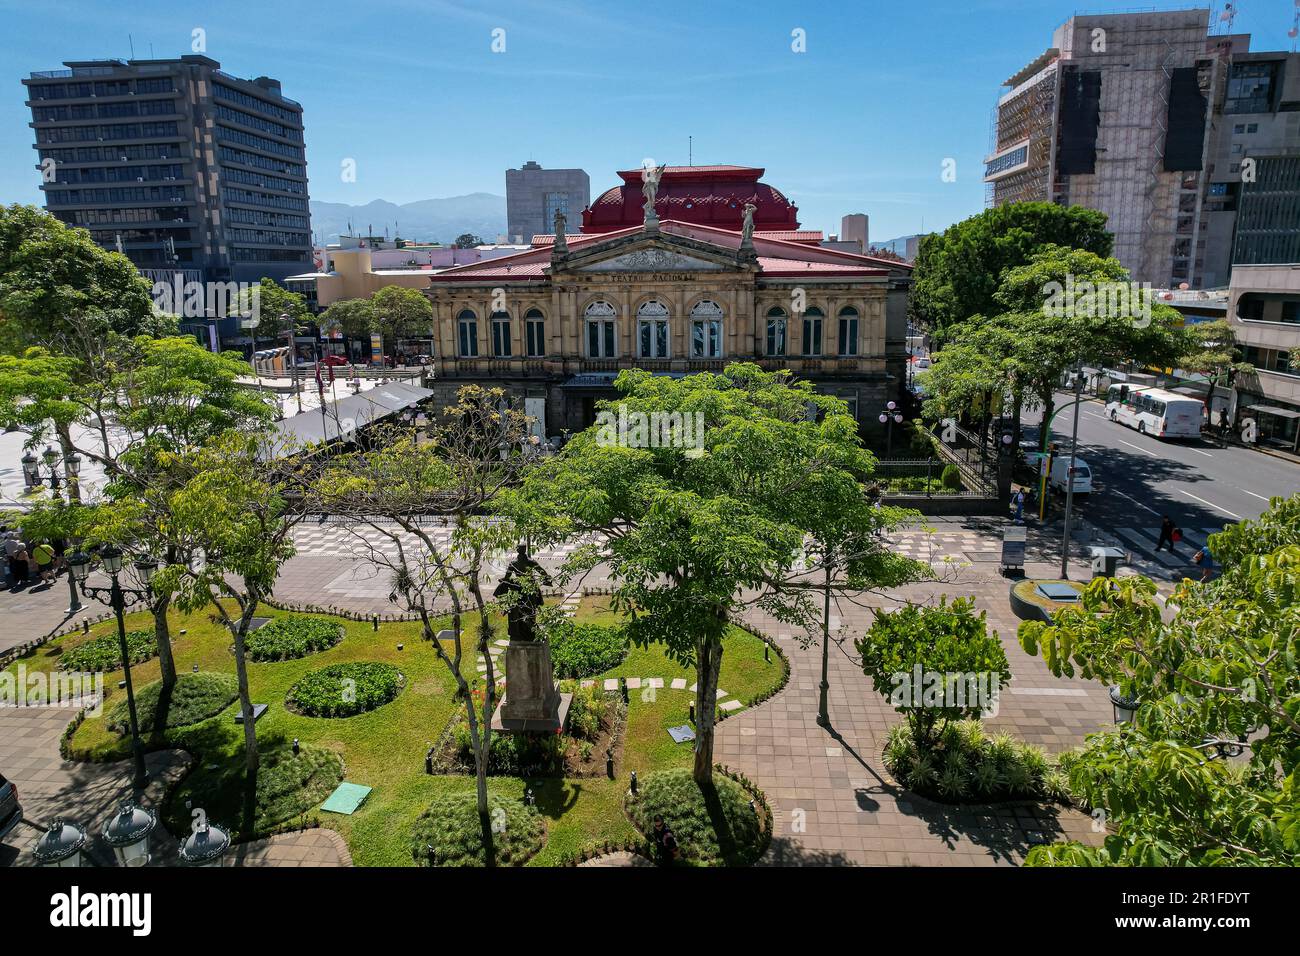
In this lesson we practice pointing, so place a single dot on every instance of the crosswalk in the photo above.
(1141, 544)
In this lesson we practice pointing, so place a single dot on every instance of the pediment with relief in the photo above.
(652, 260)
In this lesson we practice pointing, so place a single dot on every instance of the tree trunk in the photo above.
(823, 703)
(708, 661)
(1048, 405)
(166, 662)
(65, 443)
(245, 700)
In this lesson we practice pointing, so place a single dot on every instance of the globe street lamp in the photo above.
(205, 846)
(61, 845)
(127, 832)
(119, 598)
(890, 417)
(32, 468)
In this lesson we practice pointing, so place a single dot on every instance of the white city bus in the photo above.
(1154, 411)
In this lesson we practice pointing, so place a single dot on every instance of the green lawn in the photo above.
(384, 748)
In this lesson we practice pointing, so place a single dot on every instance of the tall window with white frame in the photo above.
(467, 333)
(706, 330)
(652, 329)
(534, 334)
(599, 317)
(776, 331)
(848, 331)
(812, 332)
(501, 334)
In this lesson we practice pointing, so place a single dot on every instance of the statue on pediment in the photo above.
(650, 188)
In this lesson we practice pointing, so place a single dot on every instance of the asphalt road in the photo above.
(1139, 478)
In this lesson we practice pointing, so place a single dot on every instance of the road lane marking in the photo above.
(1138, 447)
(1135, 501)
(1253, 495)
(1095, 415)
(1211, 504)
(1199, 452)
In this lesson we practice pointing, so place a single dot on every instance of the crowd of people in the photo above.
(30, 562)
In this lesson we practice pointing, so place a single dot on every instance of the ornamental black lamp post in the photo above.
(890, 417)
(32, 475)
(119, 598)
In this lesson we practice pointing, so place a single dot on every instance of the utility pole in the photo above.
(1069, 474)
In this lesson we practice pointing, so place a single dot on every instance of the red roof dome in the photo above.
(707, 195)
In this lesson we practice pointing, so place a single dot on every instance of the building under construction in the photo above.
(1140, 116)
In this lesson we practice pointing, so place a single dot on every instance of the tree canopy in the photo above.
(958, 272)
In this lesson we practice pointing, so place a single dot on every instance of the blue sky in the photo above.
(412, 91)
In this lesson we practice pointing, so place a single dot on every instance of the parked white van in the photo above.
(1060, 469)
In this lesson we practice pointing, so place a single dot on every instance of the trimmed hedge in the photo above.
(691, 813)
(195, 697)
(104, 653)
(450, 832)
(289, 785)
(344, 690)
(584, 650)
(288, 638)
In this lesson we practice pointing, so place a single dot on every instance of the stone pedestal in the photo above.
(531, 702)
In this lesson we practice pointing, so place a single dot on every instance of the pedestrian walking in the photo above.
(17, 569)
(22, 564)
(665, 841)
(1205, 558)
(1018, 499)
(1170, 533)
(43, 561)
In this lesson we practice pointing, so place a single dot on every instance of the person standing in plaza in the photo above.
(43, 561)
(17, 569)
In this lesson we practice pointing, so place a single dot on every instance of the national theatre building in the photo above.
(680, 269)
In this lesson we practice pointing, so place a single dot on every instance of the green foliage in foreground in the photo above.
(287, 638)
(1205, 774)
(104, 653)
(713, 824)
(195, 697)
(342, 690)
(972, 766)
(450, 832)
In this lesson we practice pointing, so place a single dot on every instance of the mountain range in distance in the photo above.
(425, 220)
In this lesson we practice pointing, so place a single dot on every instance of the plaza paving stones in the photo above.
(89, 793)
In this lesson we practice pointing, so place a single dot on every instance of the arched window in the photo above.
(812, 331)
(535, 333)
(652, 329)
(848, 330)
(501, 334)
(706, 330)
(467, 333)
(776, 331)
(600, 316)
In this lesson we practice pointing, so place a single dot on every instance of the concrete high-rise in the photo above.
(181, 166)
(853, 228)
(534, 195)
(1143, 116)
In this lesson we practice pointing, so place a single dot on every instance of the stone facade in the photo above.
(679, 274)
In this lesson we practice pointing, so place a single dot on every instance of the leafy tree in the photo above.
(239, 509)
(1049, 322)
(59, 289)
(694, 532)
(392, 490)
(958, 272)
(1216, 680)
(353, 317)
(467, 240)
(278, 309)
(934, 664)
(1212, 350)
(401, 313)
